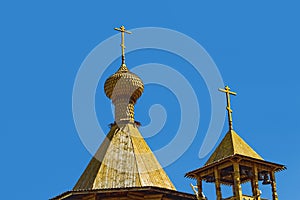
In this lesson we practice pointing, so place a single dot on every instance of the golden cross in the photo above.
(123, 30)
(228, 93)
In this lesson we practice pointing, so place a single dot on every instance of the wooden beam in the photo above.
(273, 184)
(254, 184)
(153, 196)
(217, 184)
(237, 182)
(205, 172)
(90, 197)
(200, 189)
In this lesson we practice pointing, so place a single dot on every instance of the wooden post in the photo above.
(237, 182)
(273, 184)
(254, 184)
(200, 189)
(217, 184)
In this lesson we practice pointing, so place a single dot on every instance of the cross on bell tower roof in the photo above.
(229, 111)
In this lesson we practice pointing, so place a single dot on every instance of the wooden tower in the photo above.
(233, 163)
(124, 166)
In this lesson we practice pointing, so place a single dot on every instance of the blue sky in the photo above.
(255, 45)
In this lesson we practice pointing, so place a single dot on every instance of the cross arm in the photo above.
(122, 30)
(227, 91)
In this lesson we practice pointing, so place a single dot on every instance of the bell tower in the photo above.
(233, 163)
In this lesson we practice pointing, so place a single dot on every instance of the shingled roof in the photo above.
(232, 144)
(123, 160)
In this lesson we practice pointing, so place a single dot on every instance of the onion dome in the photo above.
(124, 88)
(124, 84)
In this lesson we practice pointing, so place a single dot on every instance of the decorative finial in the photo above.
(228, 93)
(123, 30)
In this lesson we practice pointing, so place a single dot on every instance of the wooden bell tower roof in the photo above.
(232, 144)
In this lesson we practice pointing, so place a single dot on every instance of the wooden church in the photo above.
(124, 167)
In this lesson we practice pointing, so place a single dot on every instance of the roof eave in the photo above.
(121, 190)
(192, 174)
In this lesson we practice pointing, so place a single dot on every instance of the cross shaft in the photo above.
(229, 110)
(123, 31)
